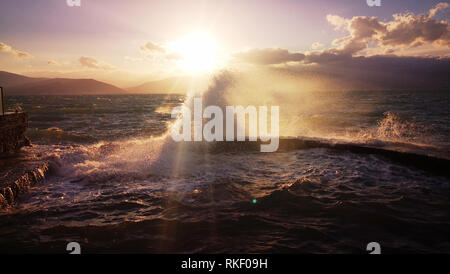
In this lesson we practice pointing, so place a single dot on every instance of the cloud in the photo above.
(373, 55)
(52, 63)
(406, 30)
(438, 7)
(337, 21)
(268, 56)
(92, 63)
(271, 56)
(409, 30)
(361, 29)
(133, 59)
(379, 72)
(8, 49)
(317, 45)
(152, 48)
(174, 56)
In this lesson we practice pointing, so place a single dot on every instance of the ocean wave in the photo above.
(393, 128)
(56, 135)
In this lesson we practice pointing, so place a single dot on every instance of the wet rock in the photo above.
(8, 194)
(15, 185)
(3, 202)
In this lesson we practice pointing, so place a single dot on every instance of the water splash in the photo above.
(393, 128)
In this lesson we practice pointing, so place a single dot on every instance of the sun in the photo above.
(198, 52)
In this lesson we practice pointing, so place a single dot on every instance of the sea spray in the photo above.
(214, 129)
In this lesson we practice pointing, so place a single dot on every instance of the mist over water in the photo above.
(120, 184)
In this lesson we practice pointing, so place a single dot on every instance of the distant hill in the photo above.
(8, 79)
(16, 84)
(174, 85)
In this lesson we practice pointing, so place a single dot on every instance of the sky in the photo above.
(129, 42)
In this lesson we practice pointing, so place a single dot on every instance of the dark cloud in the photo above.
(379, 72)
(269, 56)
(411, 31)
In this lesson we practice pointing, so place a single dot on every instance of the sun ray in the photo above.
(198, 51)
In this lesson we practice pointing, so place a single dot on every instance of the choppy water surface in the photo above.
(116, 186)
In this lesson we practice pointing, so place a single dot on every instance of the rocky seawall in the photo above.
(19, 180)
(19, 170)
(13, 126)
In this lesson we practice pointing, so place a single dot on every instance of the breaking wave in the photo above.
(358, 171)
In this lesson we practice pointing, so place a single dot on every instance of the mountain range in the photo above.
(16, 84)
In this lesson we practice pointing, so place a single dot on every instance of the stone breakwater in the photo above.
(18, 171)
(12, 132)
(11, 187)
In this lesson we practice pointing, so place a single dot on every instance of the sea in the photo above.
(119, 184)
